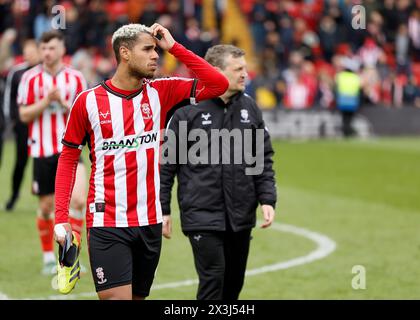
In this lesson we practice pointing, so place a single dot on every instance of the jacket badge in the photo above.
(206, 118)
(244, 116)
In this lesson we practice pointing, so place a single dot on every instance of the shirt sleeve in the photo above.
(76, 129)
(8, 91)
(209, 82)
(26, 90)
(64, 182)
(173, 90)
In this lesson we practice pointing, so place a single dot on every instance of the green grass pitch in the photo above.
(363, 195)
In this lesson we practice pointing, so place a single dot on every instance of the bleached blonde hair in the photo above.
(127, 36)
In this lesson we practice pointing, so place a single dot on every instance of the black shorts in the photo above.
(44, 171)
(121, 256)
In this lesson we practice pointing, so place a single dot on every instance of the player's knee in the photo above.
(46, 208)
(115, 294)
(45, 213)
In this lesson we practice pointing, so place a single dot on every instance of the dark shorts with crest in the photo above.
(122, 256)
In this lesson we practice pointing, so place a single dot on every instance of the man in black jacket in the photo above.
(20, 129)
(219, 190)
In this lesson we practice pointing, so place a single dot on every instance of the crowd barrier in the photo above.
(317, 123)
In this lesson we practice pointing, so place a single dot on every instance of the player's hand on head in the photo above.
(60, 231)
(166, 41)
(268, 214)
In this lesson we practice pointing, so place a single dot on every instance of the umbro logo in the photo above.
(198, 91)
(104, 115)
(197, 237)
(206, 118)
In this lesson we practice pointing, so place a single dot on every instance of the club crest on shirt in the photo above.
(147, 112)
(244, 116)
(100, 275)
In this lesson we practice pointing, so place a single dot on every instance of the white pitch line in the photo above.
(325, 246)
(3, 296)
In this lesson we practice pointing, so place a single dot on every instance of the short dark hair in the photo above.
(29, 42)
(49, 35)
(217, 54)
(126, 42)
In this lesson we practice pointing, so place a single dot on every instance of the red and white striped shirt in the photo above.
(46, 131)
(123, 131)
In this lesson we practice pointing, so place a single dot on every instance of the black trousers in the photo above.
(1, 147)
(21, 139)
(347, 117)
(220, 260)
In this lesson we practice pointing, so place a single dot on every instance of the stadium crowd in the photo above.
(300, 45)
(303, 44)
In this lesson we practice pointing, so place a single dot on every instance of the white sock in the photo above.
(49, 257)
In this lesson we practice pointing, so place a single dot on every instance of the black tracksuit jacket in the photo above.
(212, 195)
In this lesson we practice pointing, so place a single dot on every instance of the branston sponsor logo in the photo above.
(130, 143)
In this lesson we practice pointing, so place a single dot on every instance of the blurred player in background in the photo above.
(6, 41)
(45, 95)
(11, 112)
(2, 124)
(121, 121)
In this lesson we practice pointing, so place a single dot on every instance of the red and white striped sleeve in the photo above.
(73, 141)
(209, 84)
(173, 90)
(26, 94)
